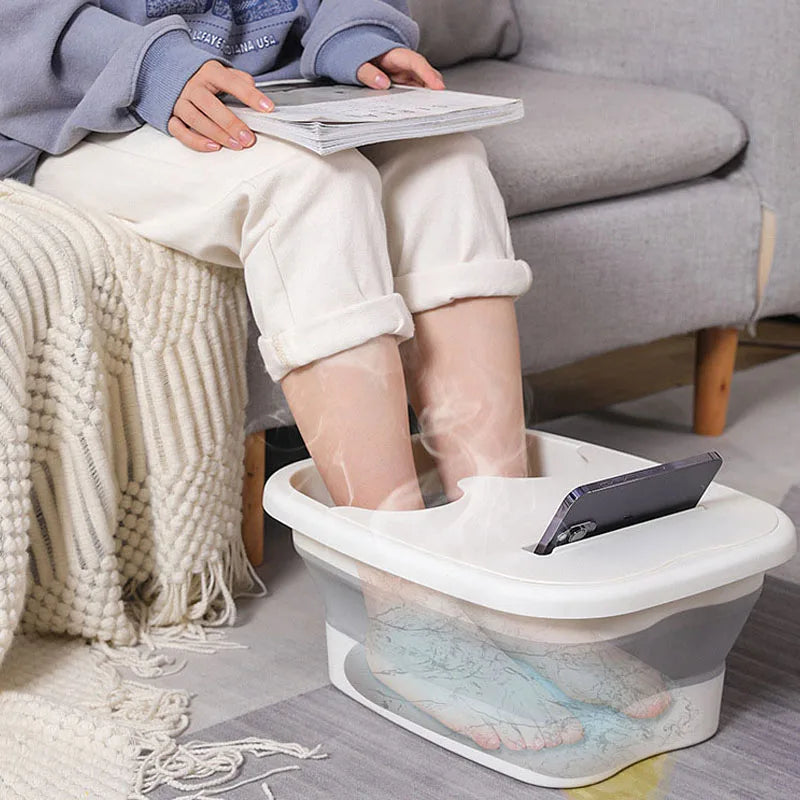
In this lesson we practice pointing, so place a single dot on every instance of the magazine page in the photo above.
(335, 103)
(327, 118)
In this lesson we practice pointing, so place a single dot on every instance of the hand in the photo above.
(203, 122)
(402, 66)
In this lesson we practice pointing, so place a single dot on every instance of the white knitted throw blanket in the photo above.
(122, 400)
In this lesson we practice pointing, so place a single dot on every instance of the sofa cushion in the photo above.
(629, 270)
(585, 138)
(452, 31)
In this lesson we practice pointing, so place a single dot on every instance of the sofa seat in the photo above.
(585, 138)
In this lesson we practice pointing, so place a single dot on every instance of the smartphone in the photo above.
(628, 499)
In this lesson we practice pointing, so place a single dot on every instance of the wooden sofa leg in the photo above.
(255, 452)
(715, 358)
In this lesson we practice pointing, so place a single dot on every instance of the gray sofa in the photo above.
(654, 185)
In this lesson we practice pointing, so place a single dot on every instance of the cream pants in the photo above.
(335, 250)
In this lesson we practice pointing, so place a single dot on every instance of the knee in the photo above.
(347, 178)
(464, 159)
(464, 146)
(451, 170)
(449, 152)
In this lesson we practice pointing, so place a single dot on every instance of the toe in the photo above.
(533, 737)
(484, 736)
(649, 707)
(510, 736)
(571, 731)
(466, 723)
(552, 735)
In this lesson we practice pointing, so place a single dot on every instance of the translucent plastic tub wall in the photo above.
(558, 670)
(552, 699)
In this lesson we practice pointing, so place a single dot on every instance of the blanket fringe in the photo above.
(153, 717)
(141, 663)
(148, 710)
(182, 616)
(212, 763)
(207, 595)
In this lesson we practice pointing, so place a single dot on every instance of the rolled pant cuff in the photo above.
(335, 332)
(425, 289)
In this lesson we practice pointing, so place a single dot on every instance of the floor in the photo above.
(638, 400)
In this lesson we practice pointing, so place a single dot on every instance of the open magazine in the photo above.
(326, 118)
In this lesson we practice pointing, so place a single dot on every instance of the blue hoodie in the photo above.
(72, 67)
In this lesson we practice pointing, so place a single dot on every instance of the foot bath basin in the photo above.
(557, 670)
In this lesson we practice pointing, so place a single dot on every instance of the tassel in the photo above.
(172, 764)
(205, 795)
(190, 637)
(143, 709)
(142, 664)
(200, 595)
(154, 717)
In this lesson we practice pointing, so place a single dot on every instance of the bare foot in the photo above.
(597, 673)
(460, 678)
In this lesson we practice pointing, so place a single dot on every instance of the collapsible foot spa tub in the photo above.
(558, 670)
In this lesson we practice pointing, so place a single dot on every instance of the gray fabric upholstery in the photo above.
(452, 31)
(742, 54)
(613, 273)
(635, 269)
(585, 138)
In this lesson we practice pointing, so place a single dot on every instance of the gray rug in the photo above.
(754, 754)
(791, 504)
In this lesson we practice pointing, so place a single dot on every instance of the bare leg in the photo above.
(352, 413)
(462, 370)
(465, 384)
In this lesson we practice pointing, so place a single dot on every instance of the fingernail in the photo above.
(245, 137)
(381, 80)
(234, 143)
(266, 105)
(212, 146)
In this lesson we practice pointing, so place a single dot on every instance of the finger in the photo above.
(218, 112)
(401, 61)
(373, 77)
(194, 118)
(193, 140)
(241, 85)
(430, 77)
(407, 79)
